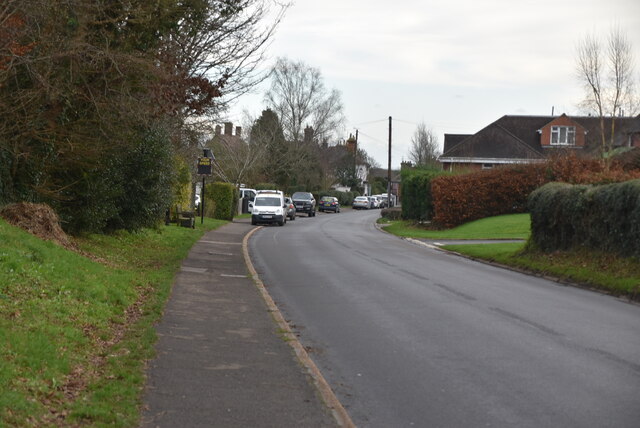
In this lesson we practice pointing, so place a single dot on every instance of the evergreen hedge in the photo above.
(604, 218)
(221, 200)
(417, 199)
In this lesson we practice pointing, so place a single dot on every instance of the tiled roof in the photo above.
(450, 140)
(517, 137)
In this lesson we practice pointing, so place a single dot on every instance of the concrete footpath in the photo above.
(223, 360)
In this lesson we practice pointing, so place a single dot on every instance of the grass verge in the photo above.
(512, 226)
(606, 272)
(76, 330)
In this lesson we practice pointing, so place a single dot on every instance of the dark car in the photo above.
(329, 203)
(305, 203)
(291, 208)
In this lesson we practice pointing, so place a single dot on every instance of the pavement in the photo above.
(225, 356)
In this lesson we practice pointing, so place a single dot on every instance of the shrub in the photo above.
(605, 217)
(221, 200)
(417, 200)
(394, 213)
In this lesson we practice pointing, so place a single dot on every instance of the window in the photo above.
(563, 135)
(487, 166)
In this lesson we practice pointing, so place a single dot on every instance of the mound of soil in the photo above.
(39, 220)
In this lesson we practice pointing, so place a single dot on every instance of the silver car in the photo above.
(361, 203)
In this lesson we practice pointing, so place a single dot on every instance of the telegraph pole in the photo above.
(355, 157)
(389, 169)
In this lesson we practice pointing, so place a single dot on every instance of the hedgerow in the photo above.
(462, 198)
(605, 217)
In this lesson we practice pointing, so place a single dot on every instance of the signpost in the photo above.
(205, 167)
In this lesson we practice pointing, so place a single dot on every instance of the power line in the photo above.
(370, 122)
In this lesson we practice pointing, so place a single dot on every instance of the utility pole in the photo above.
(355, 158)
(389, 169)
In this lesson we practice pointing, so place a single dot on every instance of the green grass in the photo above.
(616, 275)
(75, 332)
(512, 226)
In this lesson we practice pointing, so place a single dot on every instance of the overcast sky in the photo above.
(455, 65)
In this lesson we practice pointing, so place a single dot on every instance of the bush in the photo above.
(221, 200)
(394, 213)
(417, 200)
(605, 217)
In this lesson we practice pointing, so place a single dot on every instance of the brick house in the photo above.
(529, 139)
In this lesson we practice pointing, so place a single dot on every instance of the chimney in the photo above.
(218, 129)
(228, 128)
(308, 135)
(238, 131)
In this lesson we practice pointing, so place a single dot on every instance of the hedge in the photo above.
(604, 218)
(221, 200)
(417, 199)
(462, 198)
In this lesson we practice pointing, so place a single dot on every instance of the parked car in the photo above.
(361, 203)
(291, 208)
(305, 203)
(373, 202)
(329, 203)
(269, 207)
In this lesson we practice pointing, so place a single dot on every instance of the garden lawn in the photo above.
(75, 329)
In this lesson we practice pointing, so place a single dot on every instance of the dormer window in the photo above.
(563, 135)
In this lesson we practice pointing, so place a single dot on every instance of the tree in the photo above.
(607, 76)
(299, 97)
(424, 146)
(86, 87)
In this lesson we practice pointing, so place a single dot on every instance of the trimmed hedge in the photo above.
(604, 218)
(221, 200)
(417, 199)
(463, 198)
(393, 213)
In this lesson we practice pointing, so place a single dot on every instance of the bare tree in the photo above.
(424, 146)
(300, 99)
(606, 73)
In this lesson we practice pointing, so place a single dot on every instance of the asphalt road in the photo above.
(410, 336)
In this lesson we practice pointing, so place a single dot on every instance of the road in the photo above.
(411, 336)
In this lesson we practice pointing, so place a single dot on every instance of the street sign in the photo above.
(205, 166)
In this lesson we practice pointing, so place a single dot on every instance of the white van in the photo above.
(250, 194)
(269, 207)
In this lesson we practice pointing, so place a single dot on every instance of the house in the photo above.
(529, 139)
